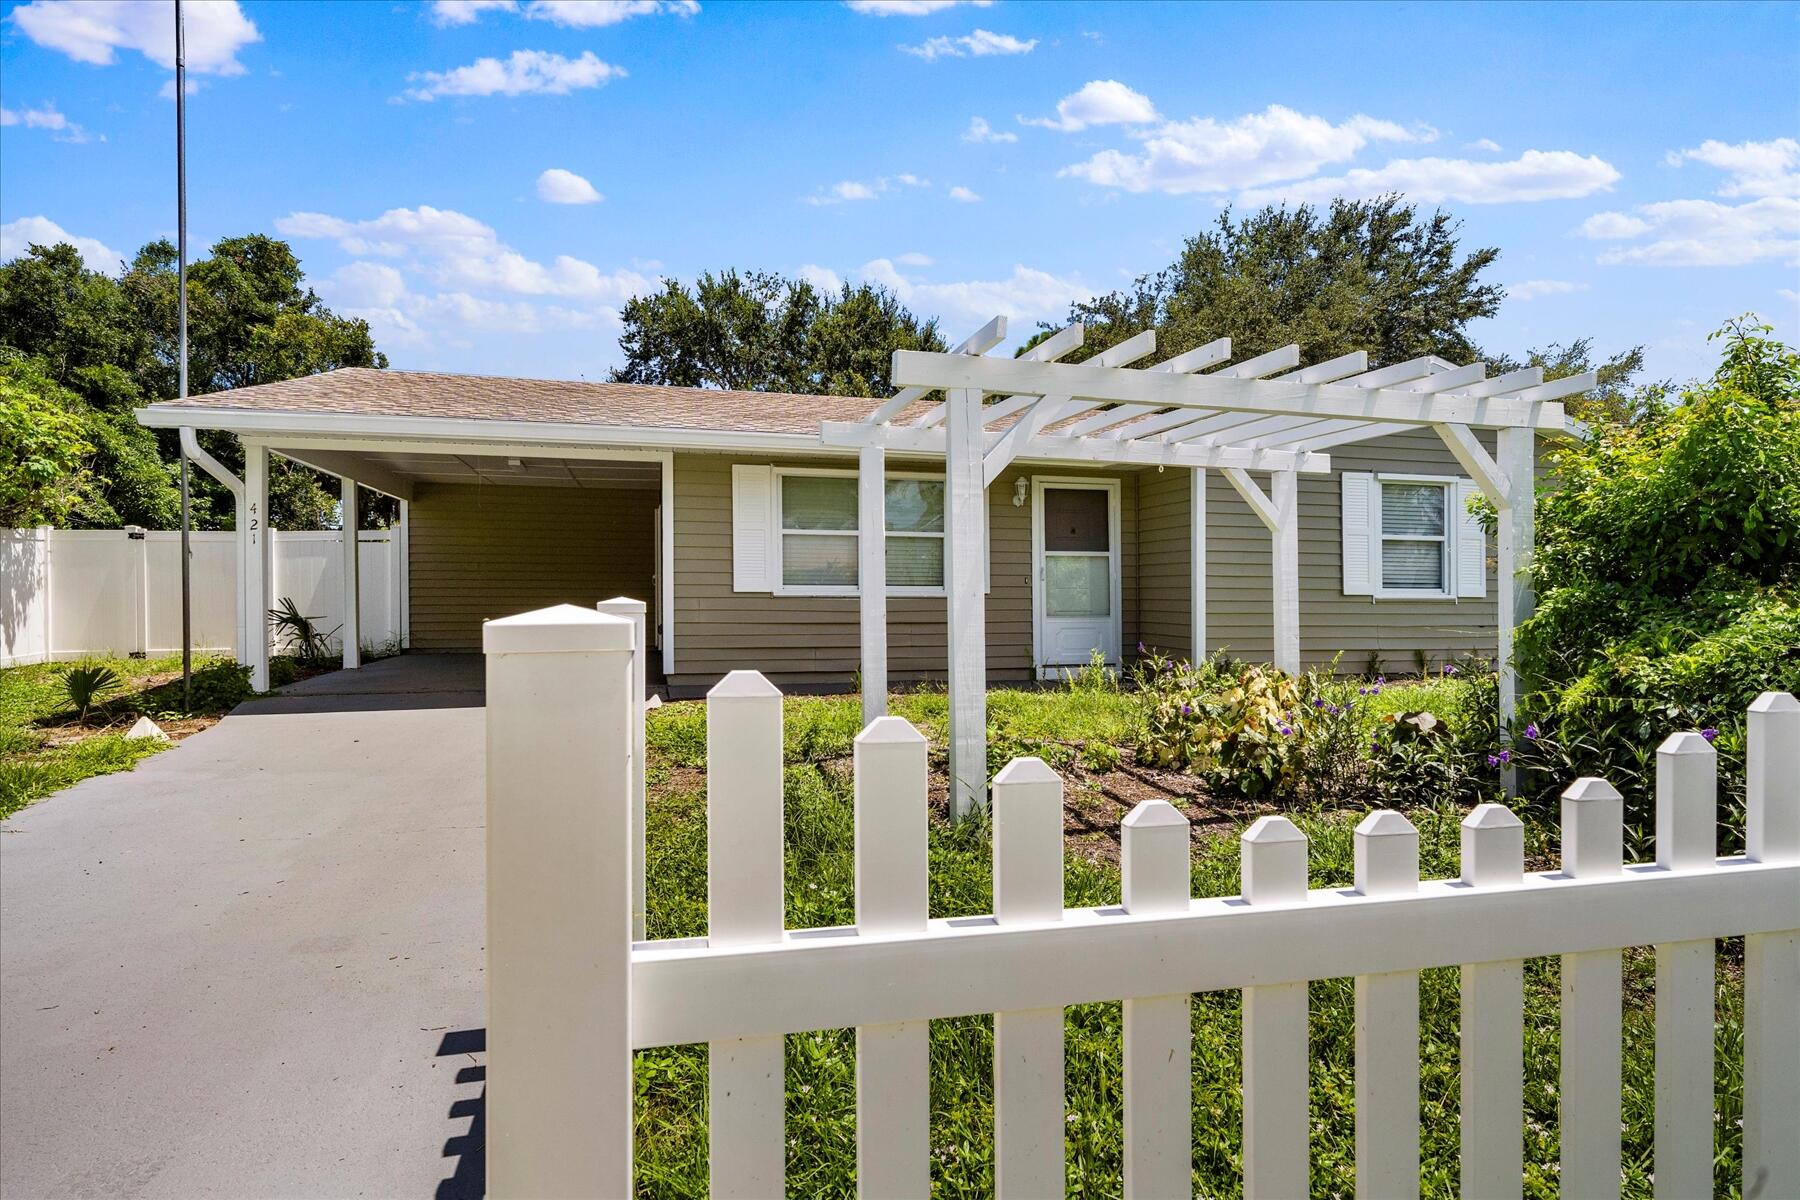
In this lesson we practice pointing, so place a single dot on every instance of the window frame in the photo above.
(780, 587)
(1447, 486)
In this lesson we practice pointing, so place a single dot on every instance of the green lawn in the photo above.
(671, 1132)
(43, 749)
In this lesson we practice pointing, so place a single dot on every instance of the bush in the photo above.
(1443, 753)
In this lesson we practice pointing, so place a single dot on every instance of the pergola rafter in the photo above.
(1195, 410)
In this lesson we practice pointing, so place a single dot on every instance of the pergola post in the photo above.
(871, 519)
(1518, 460)
(1197, 562)
(403, 571)
(964, 499)
(254, 549)
(1286, 546)
(352, 589)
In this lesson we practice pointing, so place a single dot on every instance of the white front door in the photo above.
(1075, 550)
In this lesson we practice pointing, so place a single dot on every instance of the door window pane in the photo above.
(1413, 565)
(1078, 585)
(818, 502)
(813, 560)
(1076, 519)
(1412, 508)
(915, 562)
(915, 506)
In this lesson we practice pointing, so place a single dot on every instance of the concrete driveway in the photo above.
(253, 966)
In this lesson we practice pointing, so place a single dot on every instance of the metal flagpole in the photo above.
(187, 583)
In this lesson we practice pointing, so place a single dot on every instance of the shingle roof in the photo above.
(364, 391)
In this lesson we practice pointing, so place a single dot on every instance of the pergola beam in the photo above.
(1055, 446)
(979, 342)
(1480, 465)
(1064, 341)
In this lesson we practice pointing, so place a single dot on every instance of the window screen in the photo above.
(1075, 519)
(818, 531)
(1414, 548)
(915, 533)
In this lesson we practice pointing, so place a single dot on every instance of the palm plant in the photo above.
(302, 636)
(89, 684)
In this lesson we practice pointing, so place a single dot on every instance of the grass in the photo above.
(821, 1111)
(42, 747)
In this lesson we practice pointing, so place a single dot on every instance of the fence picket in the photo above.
(1593, 832)
(1493, 1023)
(1686, 840)
(1772, 960)
(1387, 1025)
(744, 905)
(1273, 856)
(1159, 1063)
(893, 1092)
(1028, 1045)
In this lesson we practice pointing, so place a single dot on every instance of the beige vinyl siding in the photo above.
(815, 641)
(489, 551)
(1393, 632)
(1165, 583)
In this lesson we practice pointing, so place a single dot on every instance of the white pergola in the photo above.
(1197, 410)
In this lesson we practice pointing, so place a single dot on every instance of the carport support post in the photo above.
(965, 497)
(254, 554)
(635, 611)
(871, 516)
(559, 1073)
(352, 590)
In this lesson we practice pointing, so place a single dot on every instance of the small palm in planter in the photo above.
(301, 635)
(88, 685)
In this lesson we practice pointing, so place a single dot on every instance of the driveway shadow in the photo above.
(469, 1179)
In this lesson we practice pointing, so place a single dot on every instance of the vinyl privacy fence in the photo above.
(69, 593)
(571, 996)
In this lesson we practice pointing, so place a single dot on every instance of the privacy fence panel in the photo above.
(71, 593)
(585, 989)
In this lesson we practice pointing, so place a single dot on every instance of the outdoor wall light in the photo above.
(1018, 493)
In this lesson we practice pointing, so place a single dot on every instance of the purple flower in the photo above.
(1286, 731)
(1709, 734)
(1374, 691)
(1381, 679)
(1532, 732)
(1318, 704)
(1493, 760)
(1186, 709)
(1505, 756)
(1362, 691)
(1333, 709)
(1140, 647)
(1449, 670)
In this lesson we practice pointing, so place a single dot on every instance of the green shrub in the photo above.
(88, 685)
(283, 670)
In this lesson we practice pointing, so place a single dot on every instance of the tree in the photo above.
(758, 331)
(43, 456)
(1361, 275)
(1616, 398)
(110, 345)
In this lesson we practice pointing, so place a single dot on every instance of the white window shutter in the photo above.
(1360, 520)
(752, 526)
(1471, 546)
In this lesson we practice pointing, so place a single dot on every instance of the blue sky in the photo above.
(488, 182)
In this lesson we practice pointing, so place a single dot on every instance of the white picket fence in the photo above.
(69, 593)
(571, 996)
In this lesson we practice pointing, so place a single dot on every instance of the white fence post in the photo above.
(893, 1062)
(1493, 1023)
(1028, 1045)
(745, 906)
(1686, 840)
(1593, 833)
(559, 1084)
(1772, 960)
(633, 611)
(1159, 1060)
(1272, 854)
(352, 572)
(1387, 1026)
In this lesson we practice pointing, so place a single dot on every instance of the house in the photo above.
(731, 514)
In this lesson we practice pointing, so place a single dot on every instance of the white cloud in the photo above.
(167, 90)
(823, 278)
(18, 236)
(1203, 154)
(526, 71)
(1487, 144)
(908, 8)
(571, 14)
(964, 195)
(1099, 102)
(557, 186)
(1788, 294)
(93, 31)
(457, 251)
(980, 44)
(980, 131)
(1534, 175)
(1531, 289)
(1025, 295)
(1752, 168)
(1706, 233)
(855, 189)
(45, 116)
(913, 258)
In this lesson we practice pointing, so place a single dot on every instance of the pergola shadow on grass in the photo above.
(671, 1136)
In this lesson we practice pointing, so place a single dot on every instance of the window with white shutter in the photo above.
(1471, 545)
(1411, 537)
(1358, 504)
(752, 518)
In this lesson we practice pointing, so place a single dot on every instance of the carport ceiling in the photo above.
(525, 471)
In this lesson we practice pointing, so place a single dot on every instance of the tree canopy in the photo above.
(759, 331)
(95, 347)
